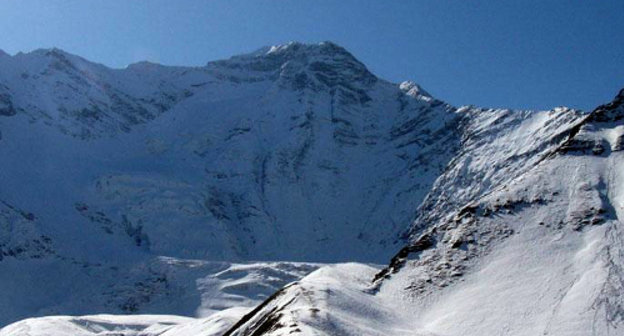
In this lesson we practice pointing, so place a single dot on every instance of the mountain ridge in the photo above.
(296, 153)
(122, 167)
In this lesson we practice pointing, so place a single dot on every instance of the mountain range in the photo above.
(291, 191)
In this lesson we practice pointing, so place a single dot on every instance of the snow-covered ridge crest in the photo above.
(80, 98)
(89, 100)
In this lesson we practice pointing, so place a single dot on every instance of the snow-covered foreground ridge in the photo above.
(506, 222)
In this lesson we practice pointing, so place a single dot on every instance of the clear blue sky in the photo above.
(497, 53)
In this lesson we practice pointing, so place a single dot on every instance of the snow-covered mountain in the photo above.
(211, 192)
(290, 153)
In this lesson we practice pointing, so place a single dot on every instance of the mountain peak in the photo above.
(296, 49)
(50, 52)
(609, 112)
(323, 48)
(300, 65)
(144, 66)
(55, 57)
(412, 89)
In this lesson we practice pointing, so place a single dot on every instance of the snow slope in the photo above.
(537, 250)
(540, 254)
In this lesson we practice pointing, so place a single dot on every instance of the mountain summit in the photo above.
(297, 66)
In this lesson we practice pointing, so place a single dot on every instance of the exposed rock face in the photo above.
(6, 105)
(20, 237)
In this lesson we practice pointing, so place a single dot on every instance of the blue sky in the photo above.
(498, 53)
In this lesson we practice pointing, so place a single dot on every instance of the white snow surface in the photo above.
(125, 325)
